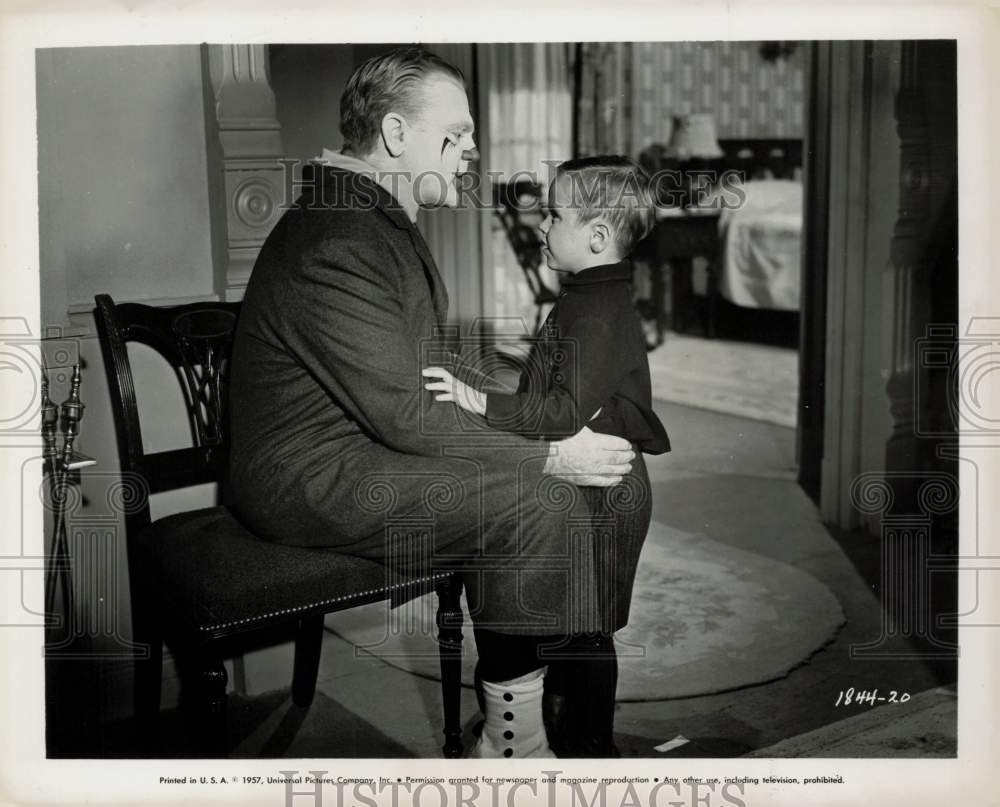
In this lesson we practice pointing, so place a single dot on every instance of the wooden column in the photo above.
(248, 153)
(923, 272)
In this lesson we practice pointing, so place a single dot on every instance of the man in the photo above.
(332, 431)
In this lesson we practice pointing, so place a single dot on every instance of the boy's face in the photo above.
(566, 244)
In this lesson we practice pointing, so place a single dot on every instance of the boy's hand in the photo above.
(449, 388)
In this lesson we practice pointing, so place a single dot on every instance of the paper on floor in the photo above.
(670, 745)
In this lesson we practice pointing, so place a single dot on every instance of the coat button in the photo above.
(508, 697)
(508, 752)
(508, 715)
(508, 735)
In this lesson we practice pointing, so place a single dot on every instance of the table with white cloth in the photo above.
(751, 255)
(759, 263)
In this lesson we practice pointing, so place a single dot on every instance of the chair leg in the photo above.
(210, 705)
(681, 293)
(308, 645)
(658, 291)
(449, 624)
(148, 680)
(712, 303)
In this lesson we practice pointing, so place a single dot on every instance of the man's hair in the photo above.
(383, 84)
(614, 188)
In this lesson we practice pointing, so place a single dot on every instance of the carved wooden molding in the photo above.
(251, 150)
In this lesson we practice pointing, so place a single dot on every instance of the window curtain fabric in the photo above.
(530, 97)
(529, 92)
(603, 98)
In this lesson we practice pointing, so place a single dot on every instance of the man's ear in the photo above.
(600, 237)
(394, 134)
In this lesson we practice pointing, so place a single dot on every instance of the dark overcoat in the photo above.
(335, 441)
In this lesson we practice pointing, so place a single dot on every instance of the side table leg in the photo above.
(712, 300)
(681, 293)
(658, 294)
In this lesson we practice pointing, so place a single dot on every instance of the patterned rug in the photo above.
(706, 617)
(737, 378)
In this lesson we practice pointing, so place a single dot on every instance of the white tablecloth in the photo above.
(760, 261)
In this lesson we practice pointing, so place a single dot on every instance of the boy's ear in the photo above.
(394, 134)
(600, 237)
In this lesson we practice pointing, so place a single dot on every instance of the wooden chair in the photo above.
(200, 580)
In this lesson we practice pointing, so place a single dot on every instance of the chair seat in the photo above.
(217, 577)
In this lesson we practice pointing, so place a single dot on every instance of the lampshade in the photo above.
(693, 136)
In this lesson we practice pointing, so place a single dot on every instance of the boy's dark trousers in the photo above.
(578, 705)
(580, 684)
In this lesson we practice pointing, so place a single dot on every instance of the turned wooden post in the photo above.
(921, 271)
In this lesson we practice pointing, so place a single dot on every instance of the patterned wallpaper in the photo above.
(632, 90)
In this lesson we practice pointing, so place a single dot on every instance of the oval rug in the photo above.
(706, 617)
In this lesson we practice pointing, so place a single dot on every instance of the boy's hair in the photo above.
(383, 84)
(615, 188)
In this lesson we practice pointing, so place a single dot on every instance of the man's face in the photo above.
(439, 142)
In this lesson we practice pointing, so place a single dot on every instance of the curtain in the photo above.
(530, 99)
(529, 96)
(604, 100)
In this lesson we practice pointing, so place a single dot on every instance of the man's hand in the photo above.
(449, 388)
(588, 459)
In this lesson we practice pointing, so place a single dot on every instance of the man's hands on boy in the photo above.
(587, 459)
(449, 388)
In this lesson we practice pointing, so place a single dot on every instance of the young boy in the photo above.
(587, 368)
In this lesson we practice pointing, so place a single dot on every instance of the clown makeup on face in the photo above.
(440, 143)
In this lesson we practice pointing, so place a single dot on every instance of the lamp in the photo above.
(692, 151)
(693, 137)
